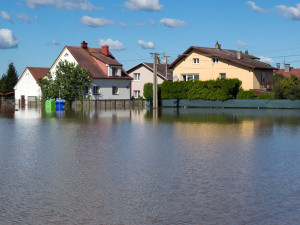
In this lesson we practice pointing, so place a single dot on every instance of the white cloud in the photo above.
(146, 45)
(145, 5)
(242, 44)
(113, 45)
(54, 42)
(95, 22)
(7, 39)
(24, 17)
(123, 25)
(139, 24)
(255, 7)
(172, 22)
(62, 4)
(6, 16)
(289, 12)
(266, 59)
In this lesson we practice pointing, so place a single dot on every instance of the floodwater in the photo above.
(186, 166)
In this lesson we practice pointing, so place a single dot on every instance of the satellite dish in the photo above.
(175, 78)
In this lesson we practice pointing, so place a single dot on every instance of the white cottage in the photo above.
(27, 88)
(110, 80)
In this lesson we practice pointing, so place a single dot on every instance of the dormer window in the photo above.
(115, 71)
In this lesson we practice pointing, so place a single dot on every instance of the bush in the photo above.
(148, 91)
(220, 89)
(266, 96)
(286, 88)
(245, 94)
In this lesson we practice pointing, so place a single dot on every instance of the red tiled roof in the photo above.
(161, 70)
(226, 54)
(296, 72)
(38, 72)
(91, 58)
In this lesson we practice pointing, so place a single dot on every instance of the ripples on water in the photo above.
(188, 166)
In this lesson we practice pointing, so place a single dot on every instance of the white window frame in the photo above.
(96, 90)
(115, 90)
(222, 75)
(136, 93)
(118, 71)
(187, 77)
(195, 60)
(136, 76)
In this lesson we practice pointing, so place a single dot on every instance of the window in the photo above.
(137, 93)
(263, 77)
(215, 60)
(196, 60)
(222, 75)
(186, 77)
(136, 76)
(96, 90)
(115, 90)
(115, 71)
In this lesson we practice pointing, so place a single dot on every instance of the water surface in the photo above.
(179, 166)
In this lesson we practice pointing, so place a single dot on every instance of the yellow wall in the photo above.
(207, 70)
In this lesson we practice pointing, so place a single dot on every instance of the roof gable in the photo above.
(246, 60)
(36, 73)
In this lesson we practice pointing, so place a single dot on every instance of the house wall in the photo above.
(65, 55)
(146, 76)
(106, 89)
(27, 86)
(207, 70)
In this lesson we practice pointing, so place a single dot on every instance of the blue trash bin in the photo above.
(60, 105)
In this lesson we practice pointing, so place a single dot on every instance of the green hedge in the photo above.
(266, 96)
(245, 94)
(220, 89)
(148, 91)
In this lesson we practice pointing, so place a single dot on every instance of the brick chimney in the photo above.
(278, 65)
(217, 45)
(105, 50)
(84, 45)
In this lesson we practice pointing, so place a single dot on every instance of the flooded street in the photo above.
(187, 166)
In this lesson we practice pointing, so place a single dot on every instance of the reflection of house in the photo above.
(288, 71)
(110, 80)
(142, 73)
(27, 88)
(201, 63)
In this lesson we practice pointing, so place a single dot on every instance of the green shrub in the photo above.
(148, 91)
(245, 94)
(220, 89)
(266, 96)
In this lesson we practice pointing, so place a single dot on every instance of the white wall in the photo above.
(106, 89)
(27, 86)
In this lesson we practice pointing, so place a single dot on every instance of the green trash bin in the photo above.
(50, 105)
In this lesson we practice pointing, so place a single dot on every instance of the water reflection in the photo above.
(173, 166)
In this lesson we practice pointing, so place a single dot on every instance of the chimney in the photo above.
(287, 68)
(278, 65)
(239, 54)
(105, 50)
(84, 45)
(217, 45)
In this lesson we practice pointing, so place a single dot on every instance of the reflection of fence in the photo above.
(109, 104)
(31, 103)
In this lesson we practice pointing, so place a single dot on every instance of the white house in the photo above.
(142, 73)
(110, 80)
(27, 88)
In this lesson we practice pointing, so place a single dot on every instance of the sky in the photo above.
(34, 32)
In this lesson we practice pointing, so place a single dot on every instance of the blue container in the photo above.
(60, 105)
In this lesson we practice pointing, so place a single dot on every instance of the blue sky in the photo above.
(33, 32)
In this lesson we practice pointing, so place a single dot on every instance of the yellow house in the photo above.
(201, 63)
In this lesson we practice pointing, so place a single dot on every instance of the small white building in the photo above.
(27, 88)
(142, 73)
(110, 80)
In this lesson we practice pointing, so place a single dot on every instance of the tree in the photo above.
(69, 83)
(9, 80)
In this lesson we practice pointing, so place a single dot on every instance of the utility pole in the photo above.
(166, 62)
(155, 98)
